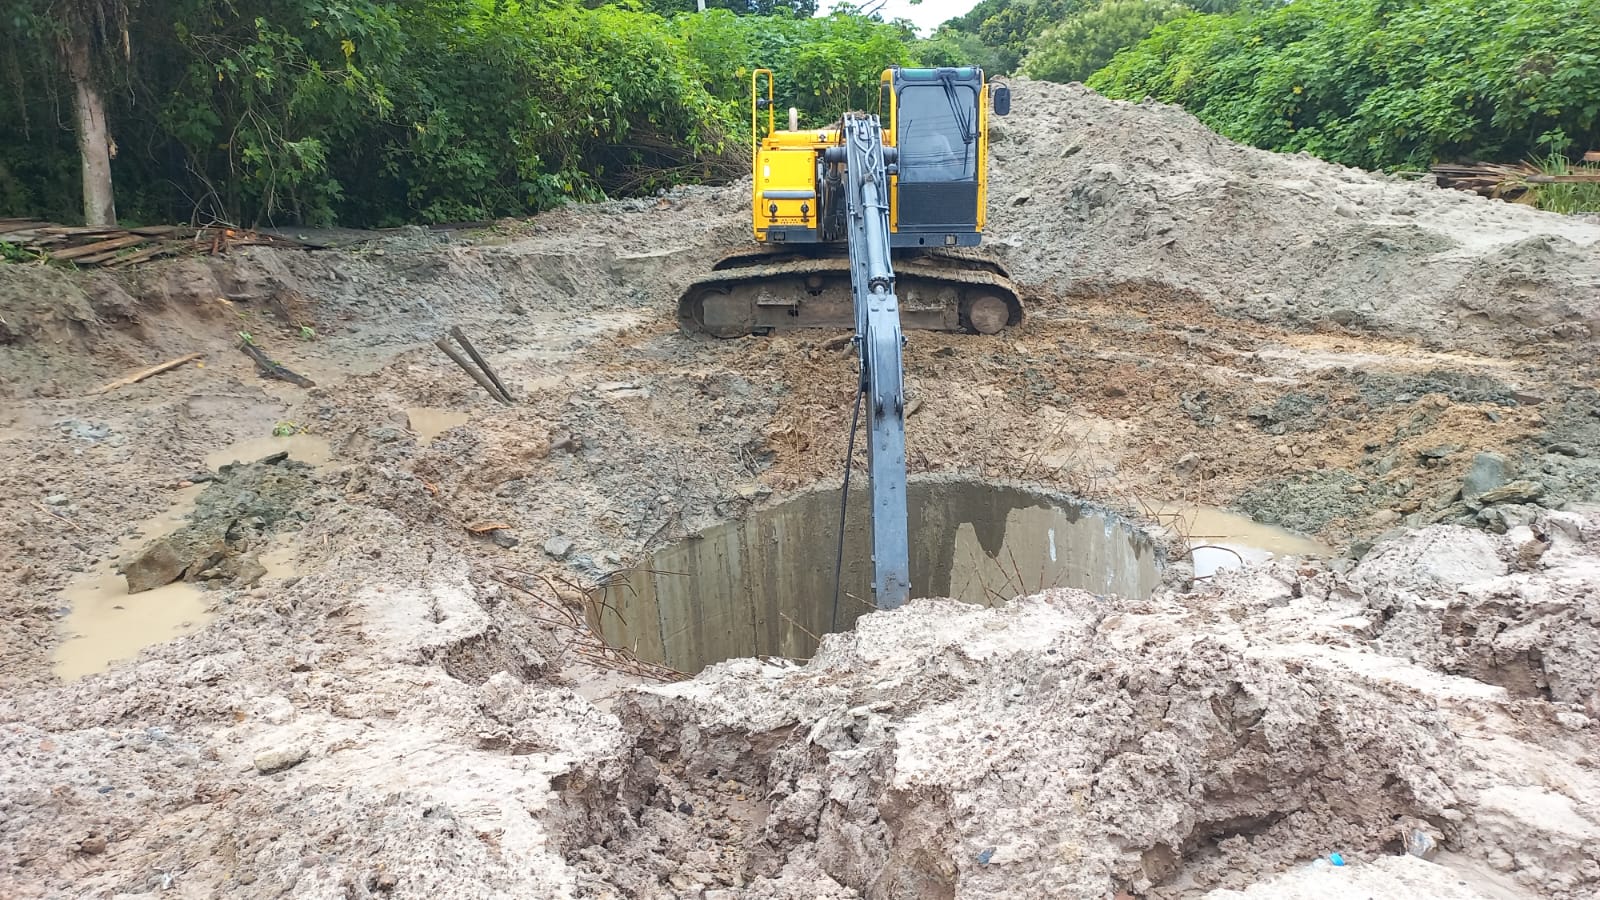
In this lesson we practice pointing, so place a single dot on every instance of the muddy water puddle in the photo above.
(431, 421)
(106, 623)
(307, 448)
(764, 585)
(1221, 540)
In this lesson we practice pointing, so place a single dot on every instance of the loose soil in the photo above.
(392, 699)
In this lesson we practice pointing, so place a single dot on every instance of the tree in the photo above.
(1082, 44)
(85, 26)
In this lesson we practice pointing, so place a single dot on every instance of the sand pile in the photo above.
(1089, 191)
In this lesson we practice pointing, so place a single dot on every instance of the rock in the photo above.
(280, 758)
(1489, 471)
(92, 844)
(1421, 844)
(385, 882)
(1515, 492)
(1383, 518)
(1451, 513)
(158, 564)
(1439, 452)
(1283, 450)
(558, 547)
(504, 539)
(1187, 464)
(57, 500)
(1566, 449)
(1574, 721)
(1021, 198)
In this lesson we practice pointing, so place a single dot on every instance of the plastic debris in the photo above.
(1336, 858)
(985, 856)
(1421, 844)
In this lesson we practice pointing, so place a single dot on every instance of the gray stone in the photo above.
(1439, 452)
(1567, 449)
(57, 500)
(280, 758)
(504, 539)
(1489, 471)
(156, 565)
(1187, 464)
(1514, 492)
(559, 547)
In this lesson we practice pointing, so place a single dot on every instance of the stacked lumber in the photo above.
(1507, 181)
(114, 246)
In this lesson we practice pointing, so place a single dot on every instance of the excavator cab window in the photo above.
(938, 133)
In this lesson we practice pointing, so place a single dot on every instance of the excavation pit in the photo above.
(764, 585)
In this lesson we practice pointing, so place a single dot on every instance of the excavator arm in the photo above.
(864, 164)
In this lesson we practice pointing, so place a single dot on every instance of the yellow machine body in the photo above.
(934, 134)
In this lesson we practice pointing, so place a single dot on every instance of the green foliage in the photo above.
(1380, 83)
(802, 9)
(823, 66)
(1579, 197)
(369, 112)
(1009, 27)
(1083, 43)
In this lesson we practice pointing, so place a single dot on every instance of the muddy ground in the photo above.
(379, 695)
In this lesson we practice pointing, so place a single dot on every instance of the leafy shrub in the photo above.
(1079, 46)
(1380, 83)
(823, 66)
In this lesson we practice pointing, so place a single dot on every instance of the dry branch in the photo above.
(142, 374)
(580, 638)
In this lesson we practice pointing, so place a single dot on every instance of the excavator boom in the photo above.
(878, 340)
(912, 182)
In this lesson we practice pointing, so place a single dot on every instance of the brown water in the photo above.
(307, 448)
(1227, 540)
(764, 585)
(107, 624)
(431, 421)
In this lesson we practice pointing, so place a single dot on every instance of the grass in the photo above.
(1565, 198)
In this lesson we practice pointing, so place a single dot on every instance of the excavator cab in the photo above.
(937, 120)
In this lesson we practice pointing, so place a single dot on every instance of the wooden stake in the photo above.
(142, 374)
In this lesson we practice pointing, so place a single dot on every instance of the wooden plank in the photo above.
(9, 227)
(127, 240)
(155, 230)
(84, 230)
(142, 374)
(144, 255)
(1564, 179)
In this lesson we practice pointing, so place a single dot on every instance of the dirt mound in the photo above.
(1073, 746)
(1092, 191)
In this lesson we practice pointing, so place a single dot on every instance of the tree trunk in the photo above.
(94, 138)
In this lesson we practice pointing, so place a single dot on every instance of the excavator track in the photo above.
(766, 291)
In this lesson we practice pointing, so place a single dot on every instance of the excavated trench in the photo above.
(764, 585)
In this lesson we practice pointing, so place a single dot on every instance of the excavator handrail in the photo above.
(755, 106)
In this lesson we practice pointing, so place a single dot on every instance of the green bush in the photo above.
(368, 112)
(1079, 46)
(823, 66)
(1380, 83)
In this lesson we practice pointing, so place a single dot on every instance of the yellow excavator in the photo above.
(869, 223)
(934, 130)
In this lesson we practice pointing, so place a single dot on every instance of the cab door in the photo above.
(937, 131)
